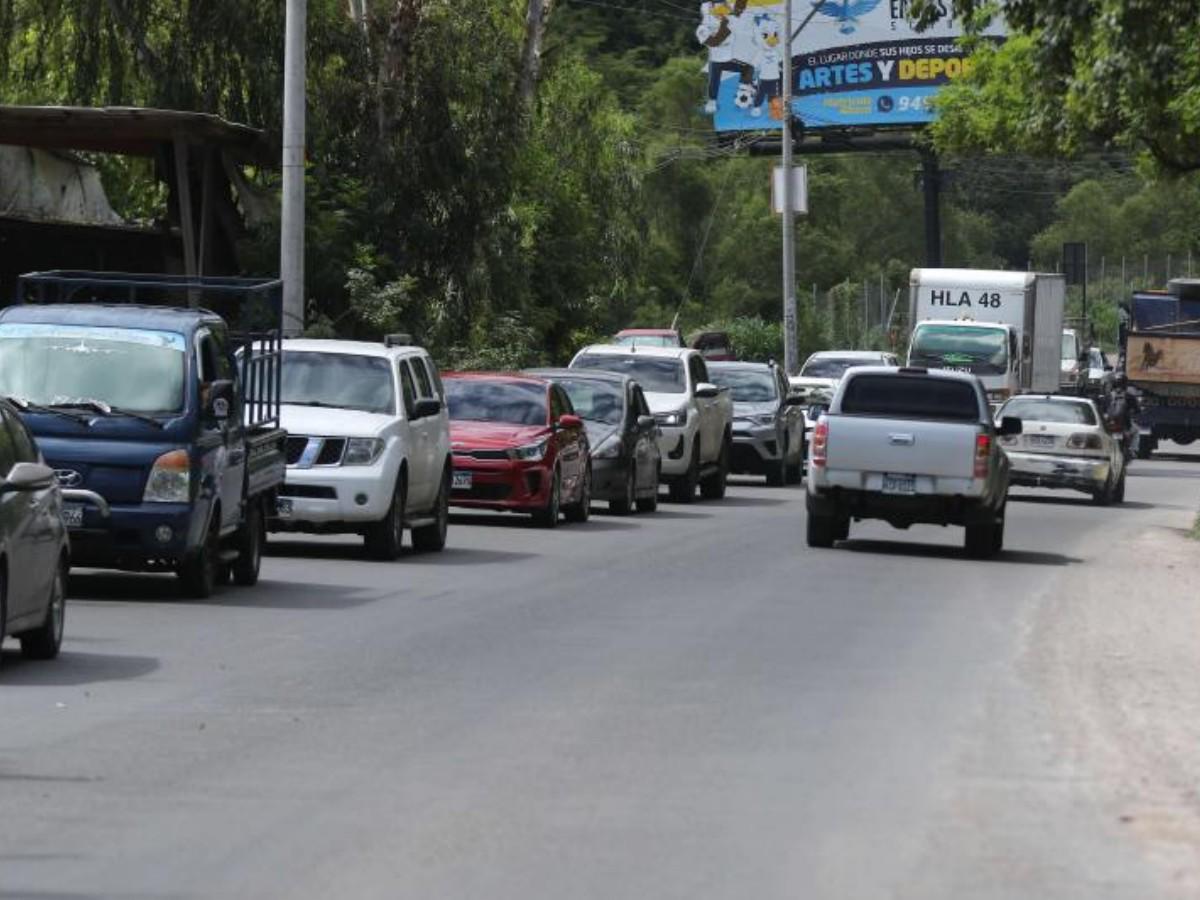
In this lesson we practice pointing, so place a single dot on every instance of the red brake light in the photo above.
(983, 452)
(820, 444)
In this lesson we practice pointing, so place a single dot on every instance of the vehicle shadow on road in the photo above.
(1080, 501)
(268, 594)
(73, 668)
(1135, 471)
(946, 551)
(743, 502)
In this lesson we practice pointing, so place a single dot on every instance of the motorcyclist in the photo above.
(1122, 406)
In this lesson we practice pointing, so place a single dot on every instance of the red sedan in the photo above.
(517, 445)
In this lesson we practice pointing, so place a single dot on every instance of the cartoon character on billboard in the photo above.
(723, 31)
(768, 65)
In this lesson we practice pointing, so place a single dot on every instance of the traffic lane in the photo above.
(588, 711)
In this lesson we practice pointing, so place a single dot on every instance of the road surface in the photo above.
(686, 705)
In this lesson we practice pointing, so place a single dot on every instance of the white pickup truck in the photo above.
(909, 446)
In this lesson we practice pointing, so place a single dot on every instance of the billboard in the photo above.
(857, 62)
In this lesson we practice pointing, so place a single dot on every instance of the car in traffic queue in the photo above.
(1072, 377)
(714, 346)
(823, 369)
(517, 446)
(768, 420)
(648, 337)
(34, 552)
(1065, 443)
(622, 435)
(695, 416)
(1100, 373)
(368, 446)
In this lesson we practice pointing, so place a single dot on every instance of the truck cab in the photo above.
(148, 409)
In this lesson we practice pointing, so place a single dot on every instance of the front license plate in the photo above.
(1041, 440)
(899, 484)
(462, 481)
(283, 507)
(72, 516)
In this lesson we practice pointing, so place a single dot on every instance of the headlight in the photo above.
(674, 419)
(764, 419)
(170, 479)
(362, 451)
(610, 448)
(530, 452)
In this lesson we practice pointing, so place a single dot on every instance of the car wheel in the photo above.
(980, 540)
(713, 487)
(201, 572)
(796, 469)
(777, 473)
(649, 503)
(250, 540)
(45, 641)
(683, 489)
(3, 614)
(432, 538)
(821, 530)
(1104, 496)
(547, 517)
(1144, 449)
(624, 504)
(581, 510)
(385, 539)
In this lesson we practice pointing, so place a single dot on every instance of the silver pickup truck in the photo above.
(909, 446)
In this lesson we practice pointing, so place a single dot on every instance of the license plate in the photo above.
(72, 516)
(283, 507)
(899, 484)
(1041, 440)
(462, 481)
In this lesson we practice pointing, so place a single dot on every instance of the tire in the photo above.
(201, 573)
(980, 540)
(821, 530)
(998, 530)
(1118, 495)
(385, 539)
(547, 517)
(581, 510)
(432, 538)
(45, 641)
(777, 473)
(795, 471)
(1145, 449)
(3, 613)
(250, 539)
(1104, 496)
(713, 487)
(623, 505)
(683, 489)
(650, 504)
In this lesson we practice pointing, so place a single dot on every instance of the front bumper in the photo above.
(1081, 473)
(608, 477)
(754, 449)
(327, 495)
(676, 445)
(129, 536)
(503, 484)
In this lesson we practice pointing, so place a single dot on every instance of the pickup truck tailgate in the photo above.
(868, 445)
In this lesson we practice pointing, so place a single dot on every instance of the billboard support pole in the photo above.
(931, 185)
(791, 348)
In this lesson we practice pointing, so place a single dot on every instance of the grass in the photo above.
(1194, 534)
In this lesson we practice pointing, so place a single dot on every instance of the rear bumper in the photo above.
(899, 510)
(1079, 473)
(503, 484)
(130, 537)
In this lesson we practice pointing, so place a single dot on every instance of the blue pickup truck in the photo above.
(143, 397)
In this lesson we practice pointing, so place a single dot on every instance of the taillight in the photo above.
(820, 444)
(1084, 441)
(983, 452)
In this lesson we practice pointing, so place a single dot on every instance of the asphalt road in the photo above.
(690, 704)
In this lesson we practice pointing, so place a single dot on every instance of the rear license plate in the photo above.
(462, 481)
(899, 484)
(283, 507)
(1041, 440)
(72, 516)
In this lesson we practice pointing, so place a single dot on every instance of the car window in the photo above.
(482, 400)
(594, 400)
(424, 387)
(407, 389)
(1064, 412)
(912, 397)
(8, 451)
(655, 374)
(438, 387)
(24, 449)
(212, 358)
(748, 385)
(559, 404)
(699, 370)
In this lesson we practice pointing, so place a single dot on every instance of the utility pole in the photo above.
(291, 238)
(791, 348)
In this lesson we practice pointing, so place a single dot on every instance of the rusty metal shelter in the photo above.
(199, 157)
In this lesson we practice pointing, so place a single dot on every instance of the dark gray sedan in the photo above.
(622, 433)
(768, 421)
(33, 544)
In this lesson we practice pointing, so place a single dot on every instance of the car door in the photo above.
(45, 513)
(707, 407)
(16, 538)
(414, 431)
(224, 439)
(646, 438)
(572, 453)
(792, 416)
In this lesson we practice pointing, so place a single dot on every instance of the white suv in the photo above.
(368, 447)
(695, 417)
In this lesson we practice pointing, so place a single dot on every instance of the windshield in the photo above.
(127, 368)
(911, 397)
(655, 375)
(1070, 347)
(965, 348)
(341, 380)
(511, 402)
(1066, 412)
(646, 340)
(746, 385)
(595, 401)
(833, 366)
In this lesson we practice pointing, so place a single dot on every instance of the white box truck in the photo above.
(1005, 327)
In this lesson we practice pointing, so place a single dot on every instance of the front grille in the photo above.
(331, 452)
(315, 451)
(295, 449)
(483, 454)
(308, 491)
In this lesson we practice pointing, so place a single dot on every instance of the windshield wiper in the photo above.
(106, 409)
(26, 406)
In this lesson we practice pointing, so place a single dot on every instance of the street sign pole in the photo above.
(291, 237)
(791, 349)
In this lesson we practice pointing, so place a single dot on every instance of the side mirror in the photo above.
(569, 421)
(645, 422)
(1010, 425)
(426, 408)
(795, 400)
(25, 477)
(706, 391)
(220, 400)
